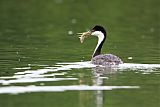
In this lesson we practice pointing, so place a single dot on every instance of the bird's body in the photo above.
(97, 57)
(106, 60)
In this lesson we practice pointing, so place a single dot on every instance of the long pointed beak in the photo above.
(84, 35)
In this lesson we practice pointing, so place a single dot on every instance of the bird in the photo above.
(97, 57)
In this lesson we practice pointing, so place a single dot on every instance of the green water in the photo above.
(37, 32)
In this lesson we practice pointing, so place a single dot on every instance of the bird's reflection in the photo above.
(98, 75)
(98, 72)
(98, 94)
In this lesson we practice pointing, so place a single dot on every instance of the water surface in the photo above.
(42, 62)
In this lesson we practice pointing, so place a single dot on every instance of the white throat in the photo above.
(100, 36)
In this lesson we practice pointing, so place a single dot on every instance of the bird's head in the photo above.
(97, 30)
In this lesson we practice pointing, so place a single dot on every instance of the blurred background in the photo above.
(44, 32)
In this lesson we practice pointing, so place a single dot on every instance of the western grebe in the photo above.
(97, 57)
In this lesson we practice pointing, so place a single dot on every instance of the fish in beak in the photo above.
(84, 35)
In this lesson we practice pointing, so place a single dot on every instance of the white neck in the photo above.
(100, 36)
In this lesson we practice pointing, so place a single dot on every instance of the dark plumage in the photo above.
(106, 59)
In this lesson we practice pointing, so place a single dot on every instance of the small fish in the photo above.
(83, 35)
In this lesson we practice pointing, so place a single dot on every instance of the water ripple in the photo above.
(48, 73)
(25, 89)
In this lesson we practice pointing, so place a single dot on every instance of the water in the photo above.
(42, 62)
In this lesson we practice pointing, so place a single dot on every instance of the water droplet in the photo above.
(143, 36)
(130, 57)
(41, 83)
(73, 21)
(70, 32)
(152, 29)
